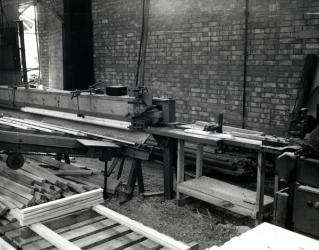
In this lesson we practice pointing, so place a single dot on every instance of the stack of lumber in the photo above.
(59, 207)
(37, 192)
(82, 175)
(232, 162)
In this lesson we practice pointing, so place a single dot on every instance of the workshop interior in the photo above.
(159, 124)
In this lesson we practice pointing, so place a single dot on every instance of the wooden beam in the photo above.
(100, 105)
(93, 120)
(137, 227)
(40, 140)
(113, 107)
(53, 237)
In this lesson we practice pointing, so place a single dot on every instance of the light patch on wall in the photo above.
(164, 6)
(27, 17)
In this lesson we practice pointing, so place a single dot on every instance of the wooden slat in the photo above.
(46, 216)
(53, 237)
(141, 229)
(77, 172)
(95, 143)
(16, 122)
(145, 245)
(100, 237)
(52, 162)
(15, 196)
(58, 207)
(68, 200)
(40, 140)
(5, 245)
(63, 221)
(24, 241)
(121, 242)
(75, 234)
(48, 127)
(18, 188)
(6, 123)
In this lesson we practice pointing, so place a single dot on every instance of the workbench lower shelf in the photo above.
(230, 197)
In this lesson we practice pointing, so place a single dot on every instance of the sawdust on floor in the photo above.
(185, 223)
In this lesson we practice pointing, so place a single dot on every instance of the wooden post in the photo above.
(199, 160)
(180, 165)
(260, 186)
(169, 149)
(169, 160)
(105, 196)
(276, 184)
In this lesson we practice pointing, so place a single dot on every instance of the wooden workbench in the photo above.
(230, 197)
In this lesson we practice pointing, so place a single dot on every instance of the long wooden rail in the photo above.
(113, 107)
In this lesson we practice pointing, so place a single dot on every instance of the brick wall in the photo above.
(50, 40)
(276, 59)
(196, 54)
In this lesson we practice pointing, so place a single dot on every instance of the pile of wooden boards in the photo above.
(59, 207)
(34, 193)
(33, 185)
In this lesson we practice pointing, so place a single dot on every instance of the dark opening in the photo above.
(77, 45)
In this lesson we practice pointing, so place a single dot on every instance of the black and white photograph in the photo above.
(159, 124)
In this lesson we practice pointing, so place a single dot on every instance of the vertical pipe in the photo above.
(245, 63)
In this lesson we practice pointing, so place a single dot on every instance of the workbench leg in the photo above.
(169, 160)
(139, 173)
(276, 184)
(105, 196)
(180, 165)
(260, 186)
(199, 160)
